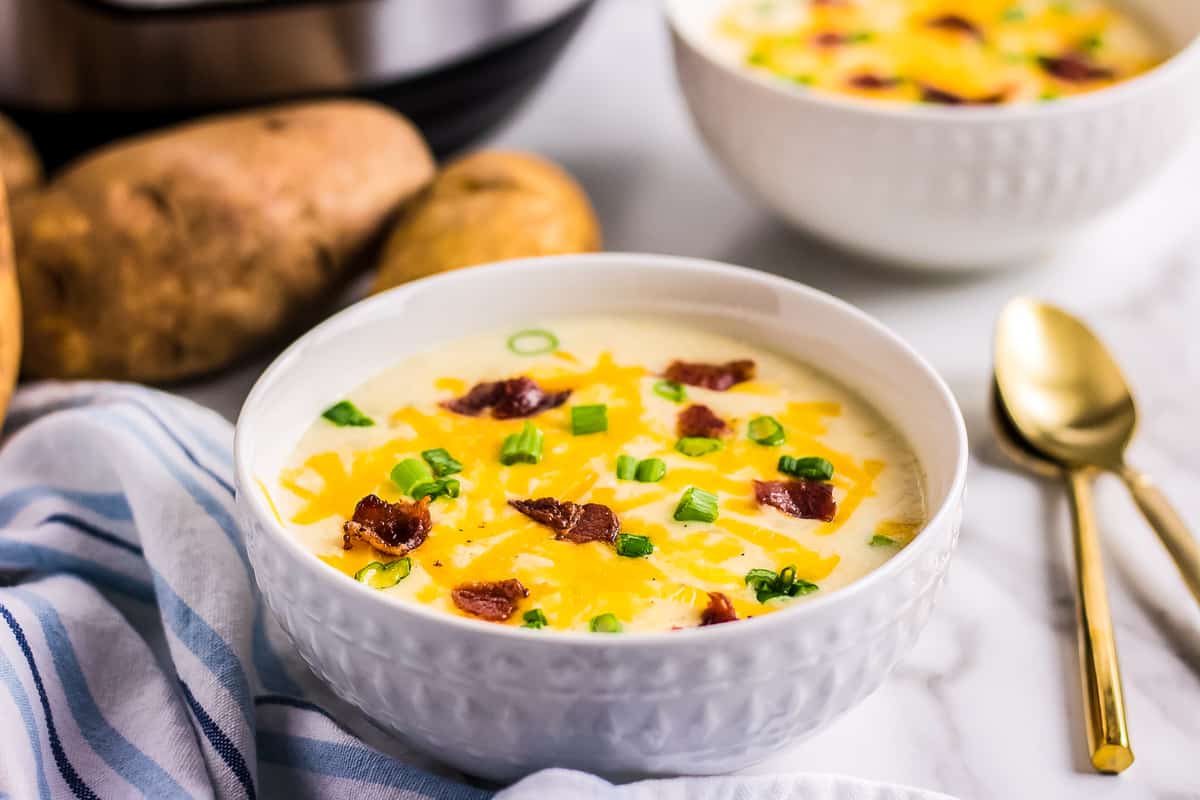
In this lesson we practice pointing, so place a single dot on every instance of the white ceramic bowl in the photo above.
(938, 187)
(502, 701)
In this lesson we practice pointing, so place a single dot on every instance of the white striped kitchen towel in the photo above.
(137, 660)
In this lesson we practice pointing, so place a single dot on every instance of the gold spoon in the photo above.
(1100, 674)
(1068, 399)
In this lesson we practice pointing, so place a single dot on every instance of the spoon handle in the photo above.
(1104, 700)
(1169, 526)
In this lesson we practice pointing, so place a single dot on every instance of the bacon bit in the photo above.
(697, 420)
(522, 397)
(957, 24)
(571, 522)
(515, 397)
(392, 528)
(598, 523)
(475, 401)
(495, 601)
(1075, 68)
(719, 610)
(799, 498)
(932, 94)
(830, 39)
(552, 513)
(717, 377)
(870, 81)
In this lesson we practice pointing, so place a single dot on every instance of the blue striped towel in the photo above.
(137, 660)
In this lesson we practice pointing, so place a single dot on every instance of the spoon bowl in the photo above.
(1064, 392)
(1013, 445)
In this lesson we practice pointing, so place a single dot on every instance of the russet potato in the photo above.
(10, 312)
(20, 167)
(489, 206)
(172, 254)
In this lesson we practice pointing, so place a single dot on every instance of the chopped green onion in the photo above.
(631, 545)
(535, 618)
(346, 414)
(768, 585)
(651, 470)
(1048, 96)
(756, 59)
(606, 623)
(696, 505)
(859, 37)
(670, 390)
(522, 448)
(409, 473)
(384, 576)
(1092, 42)
(416, 480)
(439, 487)
(626, 468)
(589, 419)
(814, 468)
(441, 462)
(759, 577)
(766, 431)
(878, 540)
(804, 79)
(696, 446)
(1013, 14)
(533, 342)
(431, 489)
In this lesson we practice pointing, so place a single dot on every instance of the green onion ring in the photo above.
(538, 342)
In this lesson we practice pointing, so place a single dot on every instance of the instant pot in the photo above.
(77, 73)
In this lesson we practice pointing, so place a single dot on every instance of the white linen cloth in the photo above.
(136, 658)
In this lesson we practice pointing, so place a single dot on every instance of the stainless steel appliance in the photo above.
(75, 73)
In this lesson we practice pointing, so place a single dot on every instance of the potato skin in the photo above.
(10, 311)
(20, 167)
(170, 255)
(488, 206)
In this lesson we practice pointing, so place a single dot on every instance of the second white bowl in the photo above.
(934, 187)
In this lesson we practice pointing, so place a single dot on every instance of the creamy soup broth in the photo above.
(616, 362)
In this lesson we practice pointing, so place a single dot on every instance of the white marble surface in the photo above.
(988, 705)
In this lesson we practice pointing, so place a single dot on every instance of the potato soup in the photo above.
(602, 474)
(949, 52)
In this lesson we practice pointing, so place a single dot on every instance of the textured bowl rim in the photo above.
(1183, 59)
(291, 360)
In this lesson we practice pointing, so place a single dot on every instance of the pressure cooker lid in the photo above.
(157, 54)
